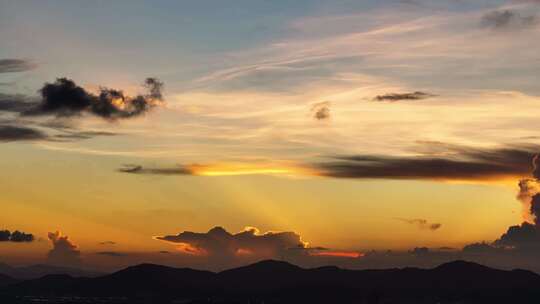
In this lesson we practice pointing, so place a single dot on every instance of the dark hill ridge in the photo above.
(40, 270)
(281, 282)
(6, 280)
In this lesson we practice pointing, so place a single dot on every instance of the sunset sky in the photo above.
(343, 128)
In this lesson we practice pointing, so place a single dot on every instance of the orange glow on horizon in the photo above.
(236, 169)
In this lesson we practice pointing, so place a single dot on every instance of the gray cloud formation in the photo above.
(321, 110)
(15, 65)
(219, 243)
(421, 224)
(64, 252)
(507, 19)
(16, 236)
(456, 163)
(64, 98)
(403, 96)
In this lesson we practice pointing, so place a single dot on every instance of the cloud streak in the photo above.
(418, 95)
(15, 65)
(458, 163)
(16, 133)
(138, 169)
(421, 224)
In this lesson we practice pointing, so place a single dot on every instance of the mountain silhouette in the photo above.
(280, 282)
(6, 280)
(40, 270)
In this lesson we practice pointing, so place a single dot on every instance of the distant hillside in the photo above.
(6, 280)
(40, 270)
(281, 282)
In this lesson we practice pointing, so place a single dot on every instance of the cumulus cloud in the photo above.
(321, 110)
(524, 238)
(15, 65)
(455, 163)
(16, 133)
(64, 252)
(218, 242)
(421, 224)
(403, 96)
(507, 19)
(16, 236)
(64, 98)
(528, 189)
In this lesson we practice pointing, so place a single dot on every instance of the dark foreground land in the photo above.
(280, 282)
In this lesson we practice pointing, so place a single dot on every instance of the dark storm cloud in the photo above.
(455, 164)
(403, 96)
(64, 98)
(137, 169)
(507, 19)
(16, 133)
(15, 65)
(64, 252)
(321, 110)
(421, 223)
(16, 236)
(220, 243)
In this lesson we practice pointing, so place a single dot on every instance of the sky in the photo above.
(211, 134)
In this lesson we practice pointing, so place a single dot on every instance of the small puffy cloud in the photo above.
(15, 65)
(64, 252)
(421, 224)
(507, 19)
(403, 96)
(321, 110)
(16, 236)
